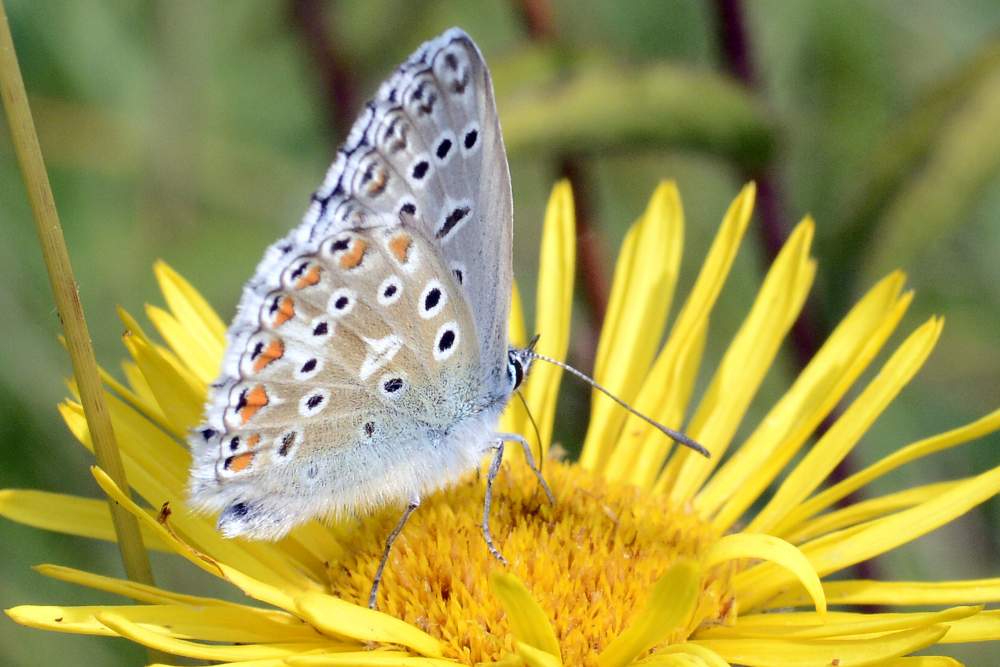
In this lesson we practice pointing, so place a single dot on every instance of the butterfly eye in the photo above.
(515, 371)
(432, 299)
(446, 341)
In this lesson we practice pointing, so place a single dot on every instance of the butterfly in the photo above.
(368, 362)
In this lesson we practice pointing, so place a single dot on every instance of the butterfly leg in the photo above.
(530, 458)
(488, 502)
(413, 504)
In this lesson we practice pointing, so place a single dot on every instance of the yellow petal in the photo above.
(820, 386)
(808, 625)
(191, 309)
(641, 293)
(669, 608)
(155, 640)
(178, 393)
(157, 467)
(72, 620)
(516, 329)
(772, 549)
(902, 593)
(528, 621)
(255, 588)
(335, 616)
(142, 401)
(923, 661)
(811, 652)
(204, 364)
(823, 457)
(836, 551)
(746, 362)
(126, 588)
(535, 657)
(708, 657)
(553, 306)
(672, 660)
(63, 513)
(269, 662)
(666, 389)
(866, 510)
(900, 457)
(512, 660)
(983, 627)
(216, 623)
(366, 659)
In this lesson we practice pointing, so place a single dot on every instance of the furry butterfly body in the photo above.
(368, 362)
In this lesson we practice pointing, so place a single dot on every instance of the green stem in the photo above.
(67, 297)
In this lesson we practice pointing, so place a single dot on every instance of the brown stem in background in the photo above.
(809, 330)
(538, 19)
(335, 72)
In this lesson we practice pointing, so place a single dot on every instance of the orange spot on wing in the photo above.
(352, 257)
(286, 311)
(253, 441)
(239, 463)
(378, 182)
(256, 398)
(309, 278)
(275, 350)
(399, 246)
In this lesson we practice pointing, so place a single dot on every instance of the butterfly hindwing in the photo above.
(364, 352)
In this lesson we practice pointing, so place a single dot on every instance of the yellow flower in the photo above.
(640, 560)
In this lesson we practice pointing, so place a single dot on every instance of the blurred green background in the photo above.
(195, 132)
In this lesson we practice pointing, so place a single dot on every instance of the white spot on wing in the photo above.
(440, 342)
(313, 403)
(436, 306)
(381, 353)
(389, 291)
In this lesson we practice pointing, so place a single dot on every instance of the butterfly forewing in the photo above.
(428, 150)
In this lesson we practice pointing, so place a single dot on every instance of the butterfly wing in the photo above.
(429, 149)
(334, 394)
(362, 355)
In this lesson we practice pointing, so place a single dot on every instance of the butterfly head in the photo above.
(519, 363)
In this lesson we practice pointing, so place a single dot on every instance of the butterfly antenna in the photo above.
(534, 425)
(676, 436)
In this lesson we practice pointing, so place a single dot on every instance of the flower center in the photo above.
(589, 561)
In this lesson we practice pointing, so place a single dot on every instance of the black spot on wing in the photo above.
(453, 219)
